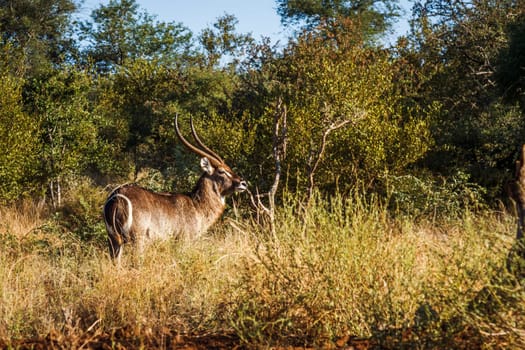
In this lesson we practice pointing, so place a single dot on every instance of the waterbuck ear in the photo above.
(206, 166)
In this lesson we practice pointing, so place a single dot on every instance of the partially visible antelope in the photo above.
(135, 214)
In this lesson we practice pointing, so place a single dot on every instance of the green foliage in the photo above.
(69, 129)
(510, 75)
(424, 196)
(38, 31)
(142, 98)
(208, 91)
(232, 140)
(357, 113)
(18, 131)
(119, 33)
(81, 213)
(332, 78)
(347, 267)
(222, 40)
(375, 17)
(477, 131)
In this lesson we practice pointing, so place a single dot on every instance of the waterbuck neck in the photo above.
(208, 194)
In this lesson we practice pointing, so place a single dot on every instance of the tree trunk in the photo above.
(516, 257)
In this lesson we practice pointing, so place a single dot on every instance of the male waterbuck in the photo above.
(135, 214)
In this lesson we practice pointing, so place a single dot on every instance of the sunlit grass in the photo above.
(344, 267)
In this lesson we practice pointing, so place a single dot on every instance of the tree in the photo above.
(374, 16)
(70, 130)
(510, 72)
(342, 102)
(118, 32)
(222, 40)
(460, 45)
(37, 32)
(18, 159)
(347, 121)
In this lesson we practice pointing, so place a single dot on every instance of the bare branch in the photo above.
(279, 153)
(320, 153)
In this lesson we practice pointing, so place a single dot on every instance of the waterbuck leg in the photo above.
(115, 249)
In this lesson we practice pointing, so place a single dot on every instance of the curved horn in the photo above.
(200, 143)
(214, 161)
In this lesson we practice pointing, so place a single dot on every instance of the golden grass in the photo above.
(21, 218)
(342, 268)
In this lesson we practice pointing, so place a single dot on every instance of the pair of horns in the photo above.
(204, 151)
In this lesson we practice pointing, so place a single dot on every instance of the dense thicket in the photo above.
(441, 111)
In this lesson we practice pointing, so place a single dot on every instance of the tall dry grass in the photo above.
(22, 218)
(342, 267)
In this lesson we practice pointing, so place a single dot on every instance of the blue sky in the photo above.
(258, 17)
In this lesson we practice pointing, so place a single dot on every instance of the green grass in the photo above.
(344, 267)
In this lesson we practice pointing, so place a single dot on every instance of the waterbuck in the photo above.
(135, 214)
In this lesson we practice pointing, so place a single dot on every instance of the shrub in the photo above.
(427, 196)
(81, 213)
(347, 267)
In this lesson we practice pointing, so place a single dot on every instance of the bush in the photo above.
(343, 268)
(347, 268)
(427, 196)
(17, 135)
(82, 212)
